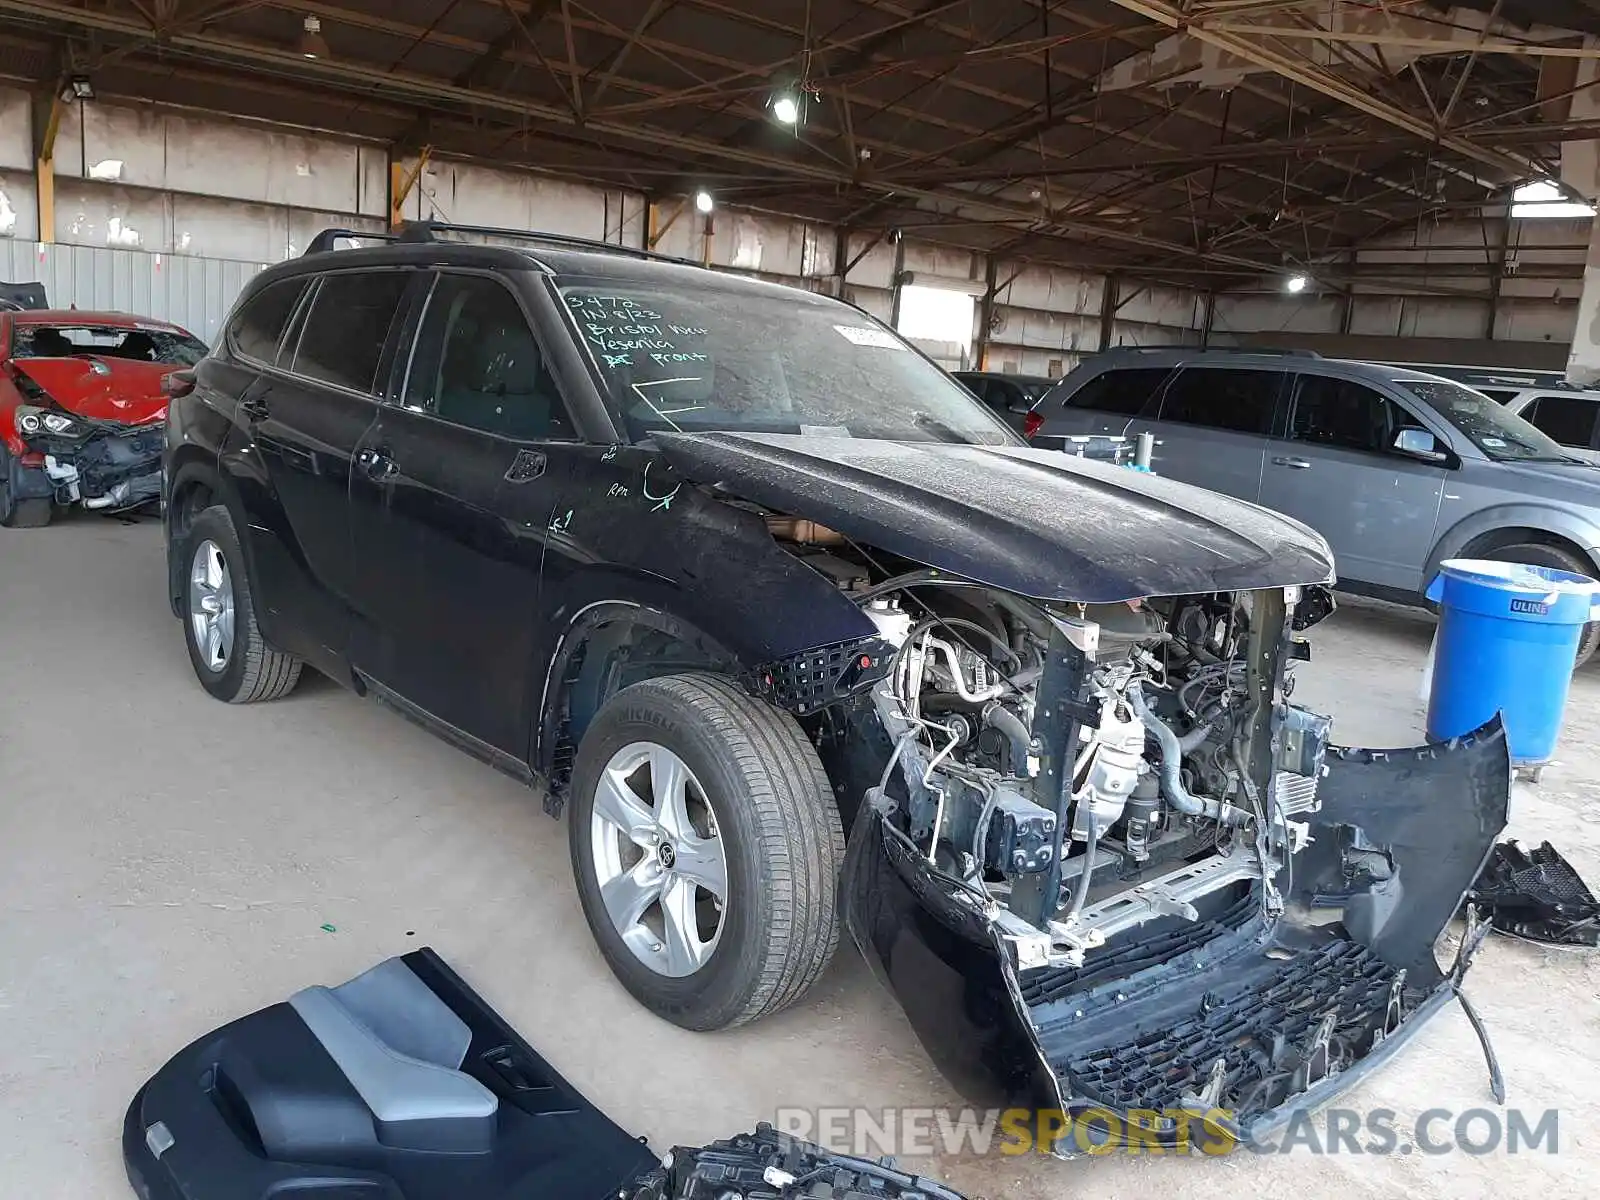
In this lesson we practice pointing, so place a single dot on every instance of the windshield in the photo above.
(1499, 433)
(151, 344)
(719, 359)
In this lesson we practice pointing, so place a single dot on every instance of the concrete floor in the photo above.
(168, 863)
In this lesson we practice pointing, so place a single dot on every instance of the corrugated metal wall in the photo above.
(193, 292)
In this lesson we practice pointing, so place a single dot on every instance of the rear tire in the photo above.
(31, 513)
(1536, 554)
(230, 658)
(772, 822)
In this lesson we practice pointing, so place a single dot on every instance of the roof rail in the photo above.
(1192, 349)
(425, 231)
(326, 240)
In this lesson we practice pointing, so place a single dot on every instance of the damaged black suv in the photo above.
(800, 637)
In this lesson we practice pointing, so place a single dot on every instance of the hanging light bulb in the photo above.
(703, 201)
(312, 43)
(786, 110)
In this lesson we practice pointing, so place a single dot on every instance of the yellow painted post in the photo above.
(45, 170)
(401, 182)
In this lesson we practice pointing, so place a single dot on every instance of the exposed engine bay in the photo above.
(100, 464)
(1148, 871)
(1088, 772)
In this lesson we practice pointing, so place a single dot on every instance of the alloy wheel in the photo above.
(211, 605)
(658, 859)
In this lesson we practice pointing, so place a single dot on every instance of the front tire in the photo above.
(1536, 554)
(230, 658)
(706, 848)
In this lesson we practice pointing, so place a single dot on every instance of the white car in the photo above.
(1569, 415)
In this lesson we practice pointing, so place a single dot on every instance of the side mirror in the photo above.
(1419, 443)
(177, 383)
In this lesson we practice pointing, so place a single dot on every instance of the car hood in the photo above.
(102, 389)
(1039, 524)
(1580, 474)
(1569, 484)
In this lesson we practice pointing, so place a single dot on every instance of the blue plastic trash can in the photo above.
(1508, 636)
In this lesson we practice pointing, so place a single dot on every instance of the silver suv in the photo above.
(1398, 469)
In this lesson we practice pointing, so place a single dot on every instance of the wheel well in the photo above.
(1499, 539)
(605, 657)
(192, 495)
(192, 492)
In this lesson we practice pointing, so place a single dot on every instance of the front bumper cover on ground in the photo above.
(1236, 1015)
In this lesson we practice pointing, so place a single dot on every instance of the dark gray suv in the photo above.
(1396, 468)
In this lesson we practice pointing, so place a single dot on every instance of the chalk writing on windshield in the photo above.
(626, 334)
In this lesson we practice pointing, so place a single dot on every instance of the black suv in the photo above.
(729, 569)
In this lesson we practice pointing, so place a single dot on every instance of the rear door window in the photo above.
(1570, 420)
(1351, 416)
(342, 337)
(258, 326)
(1235, 399)
(1123, 391)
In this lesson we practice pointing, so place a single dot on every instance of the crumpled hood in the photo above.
(102, 389)
(1033, 522)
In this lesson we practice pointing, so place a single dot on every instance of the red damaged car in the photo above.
(81, 409)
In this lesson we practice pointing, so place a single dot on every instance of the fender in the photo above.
(656, 588)
(1584, 534)
(597, 655)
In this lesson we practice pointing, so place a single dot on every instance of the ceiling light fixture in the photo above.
(703, 202)
(312, 43)
(1297, 283)
(79, 87)
(786, 110)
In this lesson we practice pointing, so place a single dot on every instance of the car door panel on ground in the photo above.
(1338, 471)
(453, 492)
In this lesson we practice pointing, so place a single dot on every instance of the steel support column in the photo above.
(897, 280)
(986, 315)
(1108, 310)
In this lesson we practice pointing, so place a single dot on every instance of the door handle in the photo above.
(1299, 464)
(376, 464)
(255, 407)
